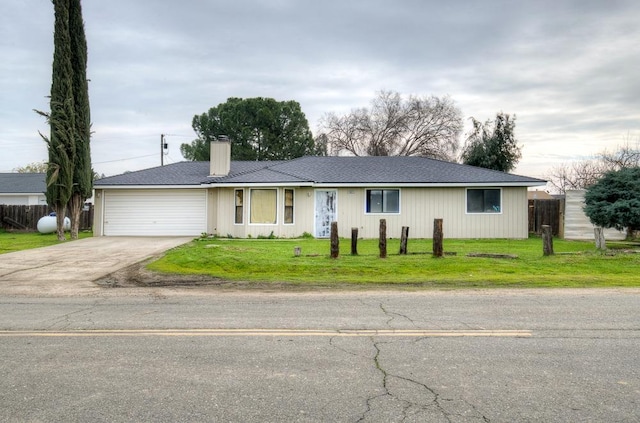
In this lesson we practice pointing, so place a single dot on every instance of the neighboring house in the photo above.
(304, 195)
(23, 189)
(577, 225)
(539, 195)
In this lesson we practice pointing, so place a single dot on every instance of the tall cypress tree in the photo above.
(61, 141)
(82, 172)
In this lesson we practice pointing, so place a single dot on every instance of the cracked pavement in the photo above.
(436, 356)
(405, 399)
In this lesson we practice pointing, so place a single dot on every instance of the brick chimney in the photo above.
(220, 159)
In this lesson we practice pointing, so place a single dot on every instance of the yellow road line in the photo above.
(272, 332)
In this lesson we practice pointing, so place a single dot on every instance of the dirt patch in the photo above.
(137, 275)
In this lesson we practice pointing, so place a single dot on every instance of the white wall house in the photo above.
(22, 189)
(304, 195)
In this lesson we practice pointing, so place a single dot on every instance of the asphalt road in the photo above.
(436, 356)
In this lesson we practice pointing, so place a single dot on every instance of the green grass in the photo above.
(575, 264)
(16, 241)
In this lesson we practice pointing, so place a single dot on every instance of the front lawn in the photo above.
(575, 264)
(16, 241)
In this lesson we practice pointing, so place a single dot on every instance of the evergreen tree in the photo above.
(260, 129)
(82, 173)
(614, 200)
(61, 141)
(69, 172)
(493, 148)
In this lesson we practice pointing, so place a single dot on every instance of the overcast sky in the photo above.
(569, 70)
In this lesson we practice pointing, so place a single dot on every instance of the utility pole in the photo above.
(163, 147)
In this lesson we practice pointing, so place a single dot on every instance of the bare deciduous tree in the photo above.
(34, 167)
(585, 173)
(575, 175)
(624, 157)
(418, 126)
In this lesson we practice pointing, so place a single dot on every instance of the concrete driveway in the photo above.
(74, 265)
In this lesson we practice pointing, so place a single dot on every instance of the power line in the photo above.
(122, 160)
(177, 135)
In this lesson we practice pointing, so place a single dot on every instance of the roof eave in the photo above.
(257, 184)
(432, 184)
(330, 185)
(146, 186)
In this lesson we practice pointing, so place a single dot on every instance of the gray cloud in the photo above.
(567, 69)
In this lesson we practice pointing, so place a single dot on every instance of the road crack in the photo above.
(393, 315)
(63, 322)
(413, 400)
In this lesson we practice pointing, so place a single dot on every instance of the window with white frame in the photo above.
(288, 206)
(263, 206)
(484, 200)
(382, 201)
(239, 205)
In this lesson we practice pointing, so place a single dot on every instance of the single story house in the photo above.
(23, 189)
(304, 195)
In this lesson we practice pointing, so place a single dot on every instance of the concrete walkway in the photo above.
(74, 265)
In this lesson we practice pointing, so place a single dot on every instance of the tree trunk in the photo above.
(404, 238)
(60, 215)
(630, 233)
(354, 241)
(601, 244)
(75, 210)
(437, 238)
(382, 243)
(335, 241)
(547, 240)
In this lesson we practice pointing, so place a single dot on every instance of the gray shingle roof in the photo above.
(401, 170)
(23, 183)
(182, 173)
(323, 170)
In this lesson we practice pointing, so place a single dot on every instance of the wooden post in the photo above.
(335, 241)
(354, 241)
(404, 237)
(437, 238)
(382, 244)
(547, 240)
(601, 244)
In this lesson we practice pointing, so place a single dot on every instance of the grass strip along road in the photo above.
(575, 263)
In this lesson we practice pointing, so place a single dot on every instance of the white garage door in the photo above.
(160, 212)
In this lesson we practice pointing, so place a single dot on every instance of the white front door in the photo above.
(326, 212)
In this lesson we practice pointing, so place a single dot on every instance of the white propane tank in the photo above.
(48, 224)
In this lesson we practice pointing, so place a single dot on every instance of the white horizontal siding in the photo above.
(160, 212)
(14, 200)
(420, 206)
(577, 225)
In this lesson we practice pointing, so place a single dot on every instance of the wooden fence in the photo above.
(546, 212)
(26, 217)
